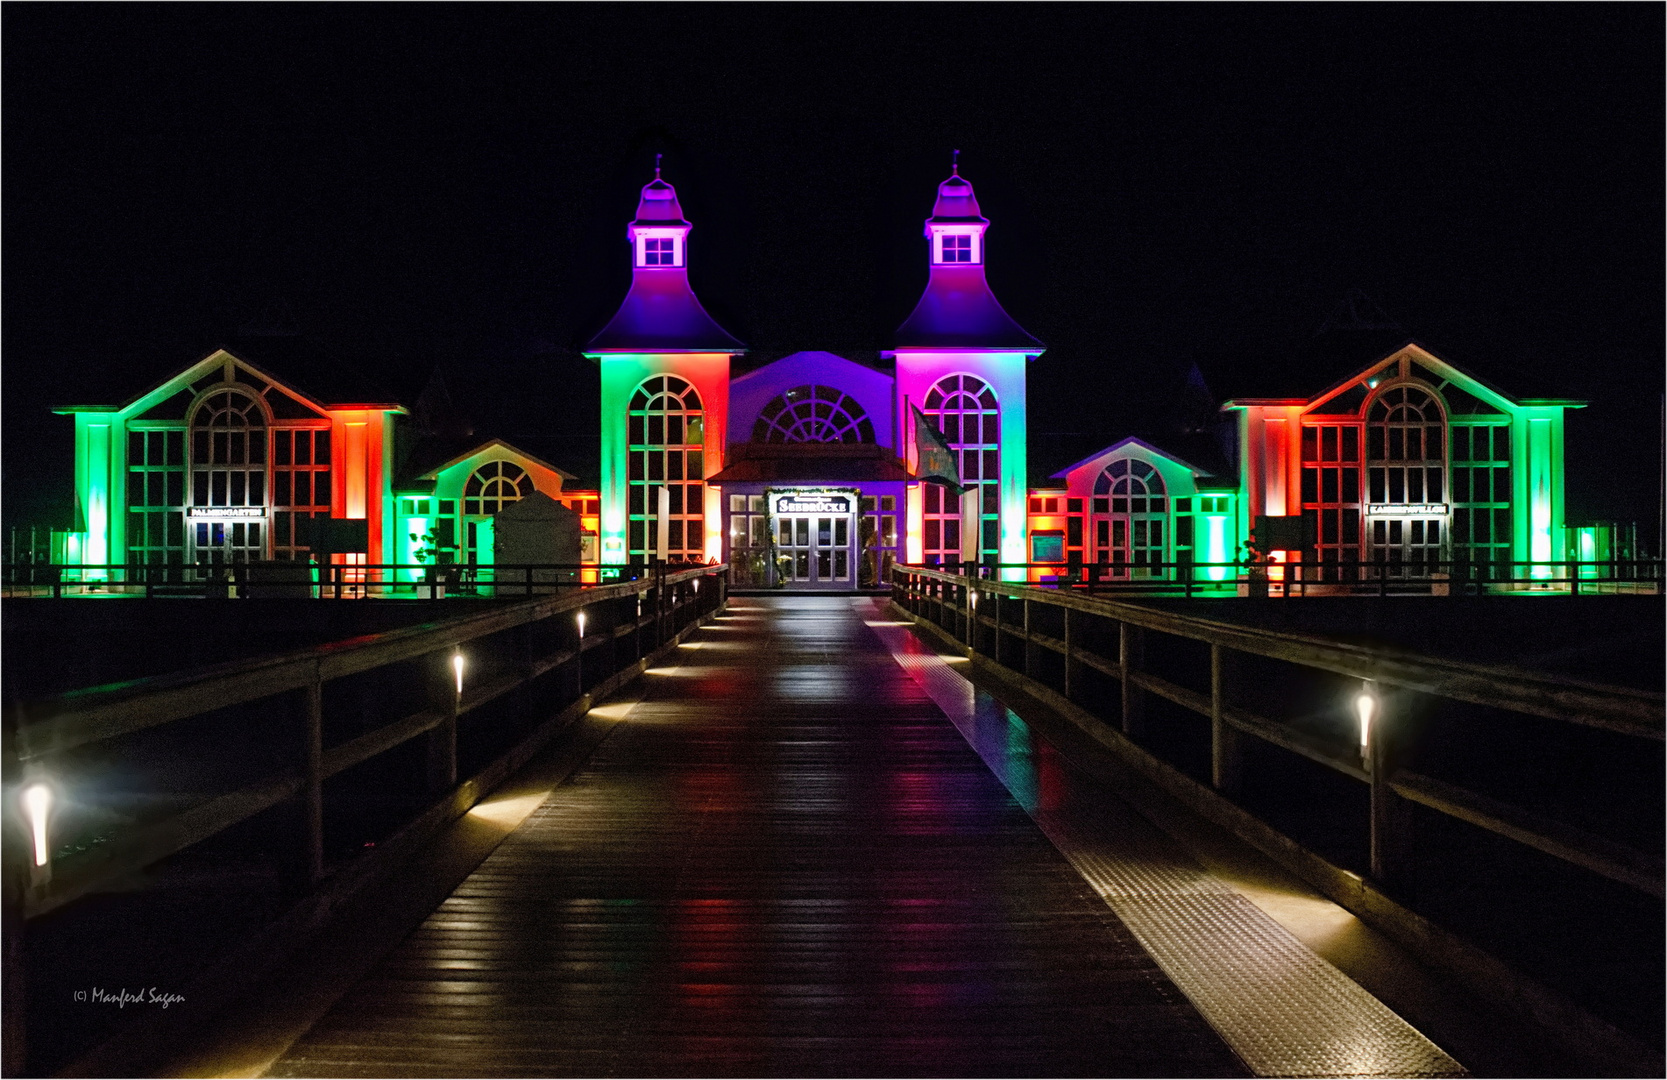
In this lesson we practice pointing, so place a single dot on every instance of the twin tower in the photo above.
(803, 472)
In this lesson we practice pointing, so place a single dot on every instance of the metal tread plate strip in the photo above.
(1285, 1010)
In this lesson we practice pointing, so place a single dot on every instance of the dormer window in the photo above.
(957, 249)
(659, 252)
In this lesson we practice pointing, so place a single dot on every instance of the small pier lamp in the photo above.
(457, 669)
(1366, 708)
(37, 805)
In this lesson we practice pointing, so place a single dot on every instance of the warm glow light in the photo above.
(580, 619)
(914, 541)
(713, 546)
(1365, 707)
(37, 802)
(457, 667)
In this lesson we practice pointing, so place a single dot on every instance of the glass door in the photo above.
(218, 543)
(814, 550)
(1412, 546)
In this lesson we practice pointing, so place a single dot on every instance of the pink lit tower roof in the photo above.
(660, 313)
(958, 311)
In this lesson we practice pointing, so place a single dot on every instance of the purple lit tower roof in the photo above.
(958, 311)
(660, 313)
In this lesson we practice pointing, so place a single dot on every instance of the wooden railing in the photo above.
(586, 641)
(287, 579)
(1353, 578)
(996, 620)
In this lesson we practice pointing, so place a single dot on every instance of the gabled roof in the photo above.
(160, 391)
(1420, 355)
(432, 472)
(1142, 444)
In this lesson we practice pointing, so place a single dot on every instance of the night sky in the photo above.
(412, 187)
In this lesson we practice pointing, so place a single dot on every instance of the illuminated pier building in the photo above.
(808, 471)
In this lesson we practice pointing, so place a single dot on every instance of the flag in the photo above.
(934, 460)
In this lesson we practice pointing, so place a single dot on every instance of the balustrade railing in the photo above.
(275, 579)
(1353, 578)
(585, 641)
(997, 620)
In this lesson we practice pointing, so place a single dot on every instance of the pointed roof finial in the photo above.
(955, 164)
(657, 166)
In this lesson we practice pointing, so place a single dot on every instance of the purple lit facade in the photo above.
(802, 472)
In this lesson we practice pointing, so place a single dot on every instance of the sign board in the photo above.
(1407, 509)
(1281, 533)
(812, 502)
(333, 536)
(226, 513)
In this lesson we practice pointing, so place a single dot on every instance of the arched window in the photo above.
(964, 409)
(228, 477)
(494, 486)
(491, 488)
(666, 430)
(1130, 510)
(1406, 472)
(820, 414)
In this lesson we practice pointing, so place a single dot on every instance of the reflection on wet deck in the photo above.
(785, 861)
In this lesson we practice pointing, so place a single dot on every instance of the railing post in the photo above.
(1391, 833)
(1131, 648)
(995, 641)
(312, 779)
(442, 741)
(1025, 667)
(1226, 744)
(1070, 656)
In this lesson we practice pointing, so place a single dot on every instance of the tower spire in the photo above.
(958, 311)
(660, 313)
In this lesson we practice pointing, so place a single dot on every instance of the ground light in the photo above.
(1366, 707)
(457, 667)
(37, 804)
(580, 620)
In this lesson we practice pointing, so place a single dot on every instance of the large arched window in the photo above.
(1406, 472)
(964, 409)
(1131, 507)
(820, 414)
(228, 477)
(666, 432)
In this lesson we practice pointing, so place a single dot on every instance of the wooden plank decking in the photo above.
(785, 861)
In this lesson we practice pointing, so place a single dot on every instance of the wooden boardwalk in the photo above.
(785, 861)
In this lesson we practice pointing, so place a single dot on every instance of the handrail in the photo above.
(1555, 697)
(1633, 712)
(59, 723)
(51, 726)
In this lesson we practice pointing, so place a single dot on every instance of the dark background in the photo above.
(412, 187)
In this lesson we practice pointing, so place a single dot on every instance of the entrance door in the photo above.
(1414, 543)
(815, 550)
(217, 543)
